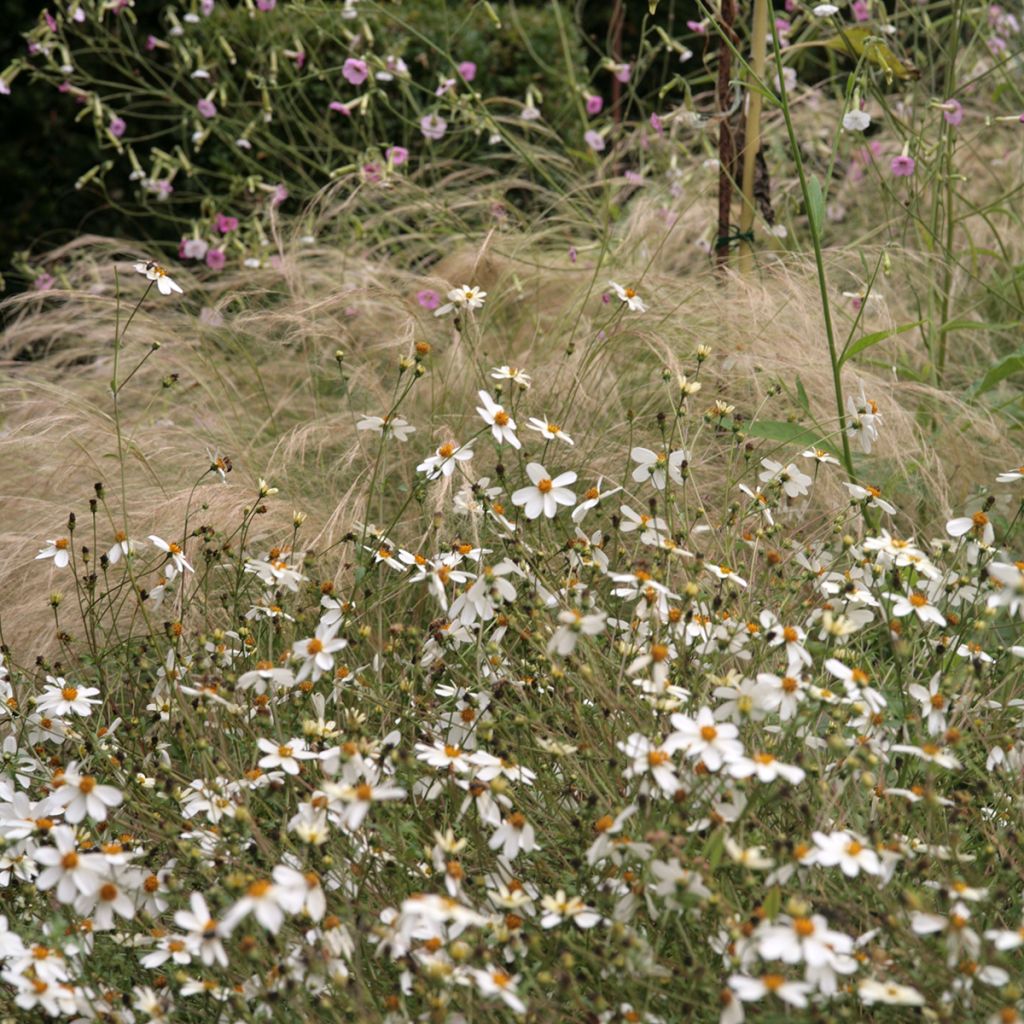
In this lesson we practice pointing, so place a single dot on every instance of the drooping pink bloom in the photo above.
(903, 166)
(355, 71)
(225, 224)
(428, 298)
(860, 10)
(207, 108)
(215, 259)
(468, 70)
(953, 112)
(657, 125)
(594, 104)
(117, 127)
(279, 196)
(433, 127)
(371, 172)
(396, 155)
(44, 282)
(595, 140)
(339, 108)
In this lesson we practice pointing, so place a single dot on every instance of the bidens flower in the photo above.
(467, 296)
(154, 272)
(546, 494)
(629, 297)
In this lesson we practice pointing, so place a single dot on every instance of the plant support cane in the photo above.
(752, 135)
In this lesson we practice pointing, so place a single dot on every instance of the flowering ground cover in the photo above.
(490, 593)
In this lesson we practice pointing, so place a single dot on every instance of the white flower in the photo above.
(766, 768)
(123, 546)
(83, 797)
(513, 373)
(850, 852)
(793, 482)
(496, 982)
(864, 421)
(503, 427)
(820, 456)
(546, 494)
(71, 872)
(872, 495)
(299, 892)
(560, 908)
(285, 756)
(629, 297)
(1011, 476)
(514, 835)
(978, 524)
(856, 120)
(917, 603)
(658, 466)
(724, 572)
(445, 459)
(154, 272)
(933, 704)
(387, 426)
(318, 652)
(750, 990)
(807, 939)
(872, 991)
(59, 698)
(825, 10)
(59, 550)
(174, 553)
(650, 757)
(466, 297)
(204, 932)
(359, 798)
(928, 752)
(704, 739)
(262, 900)
(550, 431)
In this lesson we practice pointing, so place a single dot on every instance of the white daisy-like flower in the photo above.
(387, 426)
(59, 550)
(546, 494)
(629, 297)
(550, 431)
(154, 272)
(503, 427)
(445, 460)
(464, 297)
(658, 467)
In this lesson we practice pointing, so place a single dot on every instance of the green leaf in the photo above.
(1006, 367)
(714, 848)
(801, 396)
(977, 325)
(772, 902)
(867, 340)
(788, 433)
(815, 206)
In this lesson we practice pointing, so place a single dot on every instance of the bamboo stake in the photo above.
(726, 144)
(752, 135)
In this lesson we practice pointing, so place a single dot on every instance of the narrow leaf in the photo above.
(867, 340)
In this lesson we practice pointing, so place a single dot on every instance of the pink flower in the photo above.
(594, 104)
(44, 282)
(446, 86)
(225, 224)
(860, 10)
(192, 249)
(433, 127)
(371, 172)
(215, 259)
(266, 5)
(300, 59)
(339, 107)
(279, 196)
(396, 155)
(207, 108)
(355, 71)
(633, 178)
(151, 43)
(595, 140)
(622, 72)
(902, 166)
(428, 298)
(117, 127)
(206, 6)
(656, 125)
(953, 112)
(51, 21)
(468, 70)
(573, 255)
(701, 29)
